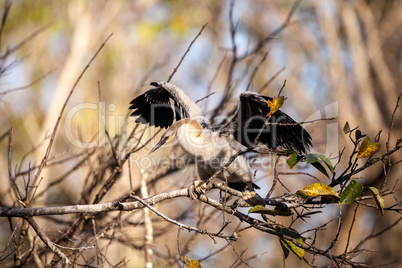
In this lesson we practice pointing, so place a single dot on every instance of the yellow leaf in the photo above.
(192, 264)
(290, 246)
(278, 211)
(275, 104)
(378, 199)
(318, 189)
(180, 24)
(148, 31)
(367, 148)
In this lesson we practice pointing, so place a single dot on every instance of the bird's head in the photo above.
(166, 137)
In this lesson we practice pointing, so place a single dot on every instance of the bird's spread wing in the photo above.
(162, 105)
(250, 118)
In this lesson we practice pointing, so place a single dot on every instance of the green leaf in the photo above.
(318, 189)
(320, 168)
(285, 212)
(327, 162)
(311, 158)
(258, 209)
(358, 134)
(346, 128)
(277, 211)
(378, 199)
(351, 192)
(292, 160)
(314, 160)
(290, 246)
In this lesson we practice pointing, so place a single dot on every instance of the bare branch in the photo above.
(47, 241)
(185, 53)
(49, 147)
(24, 87)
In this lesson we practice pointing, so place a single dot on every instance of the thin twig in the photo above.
(256, 69)
(351, 228)
(24, 42)
(112, 147)
(392, 121)
(49, 147)
(47, 241)
(181, 225)
(275, 178)
(178, 246)
(373, 235)
(24, 87)
(206, 97)
(266, 84)
(7, 7)
(188, 49)
(272, 35)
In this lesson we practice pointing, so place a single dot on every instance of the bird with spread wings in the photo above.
(167, 106)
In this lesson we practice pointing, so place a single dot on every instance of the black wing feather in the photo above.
(251, 118)
(154, 107)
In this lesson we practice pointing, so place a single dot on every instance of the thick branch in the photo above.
(95, 208)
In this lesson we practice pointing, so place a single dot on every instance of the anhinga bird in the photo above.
(167, 106)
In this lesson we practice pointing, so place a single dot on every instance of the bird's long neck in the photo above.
(196, 128)
(189, 136)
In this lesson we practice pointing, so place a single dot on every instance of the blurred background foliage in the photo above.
(339, 58)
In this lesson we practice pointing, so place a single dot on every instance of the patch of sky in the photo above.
(311, 78)
(193, 72)
(155, 13)
(347, 61)
(367, 223)
(327, 213)
(57, 44)
(16, 77)
(47, 90)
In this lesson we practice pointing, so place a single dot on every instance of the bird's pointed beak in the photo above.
(159, 144)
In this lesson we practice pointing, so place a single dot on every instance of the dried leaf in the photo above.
(290, 246)
(367, 148)
(318, 189)
(275, 105)
(351, 192)
(378, 199)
